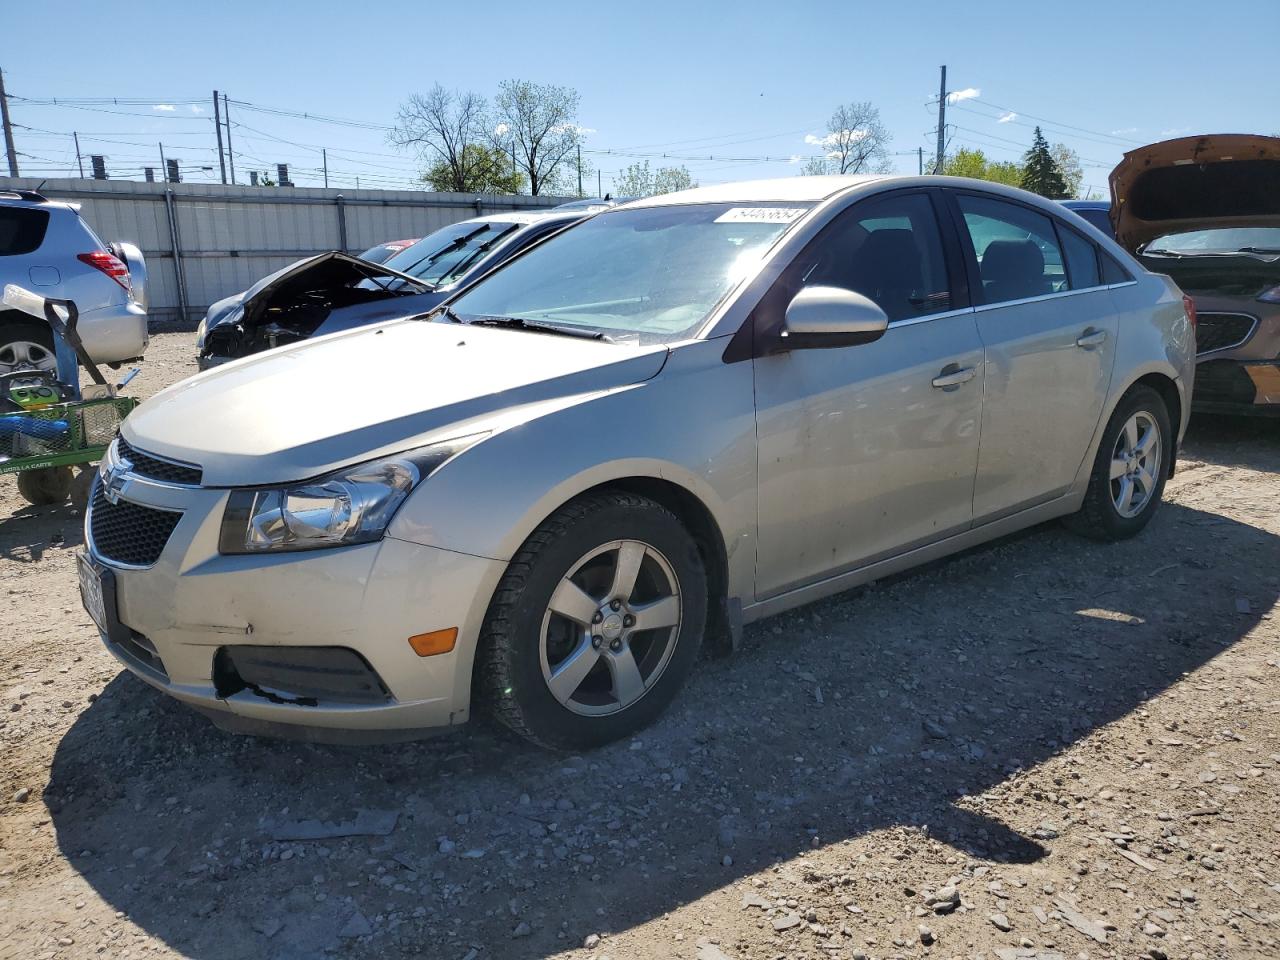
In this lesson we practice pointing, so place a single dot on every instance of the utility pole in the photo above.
(580, 193)
(325, 154)
(939, 162)
(217, 125)
(79, 163)
(8, 129)
(599, 184)
(920, 159)
(164, 167)
(226, 116)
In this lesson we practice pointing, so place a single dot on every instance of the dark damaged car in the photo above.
(337, 291)
(1206, 211)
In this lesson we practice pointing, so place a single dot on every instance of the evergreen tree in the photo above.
(1040, 173)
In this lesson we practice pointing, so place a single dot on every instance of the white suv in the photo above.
(46, 247)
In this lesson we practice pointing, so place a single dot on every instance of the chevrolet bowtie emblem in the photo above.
(114, 479)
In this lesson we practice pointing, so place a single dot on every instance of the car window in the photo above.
(1112, 272)
(442, 257)
(1082, 259)
(1017, 250)
(888, 249)
(1099, 218)
(21, 230)
(648, 274)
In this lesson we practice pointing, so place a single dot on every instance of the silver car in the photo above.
(677, 417)
(46, 246)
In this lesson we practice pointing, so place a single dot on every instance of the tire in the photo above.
(1101, 516)
(526, 645)
(45, 486)
(17, 337)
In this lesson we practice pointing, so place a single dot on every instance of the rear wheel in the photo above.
(45, 486)
(1130, 469)
(596, 623)
(26, 346)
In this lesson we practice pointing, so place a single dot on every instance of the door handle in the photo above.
(953, 376)
(1091, 338)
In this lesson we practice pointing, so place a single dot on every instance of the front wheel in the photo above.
(596, 623)
(1130, 469)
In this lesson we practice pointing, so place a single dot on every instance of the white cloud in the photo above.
(1121, 132)
(795, 158)
(1175, 131)
(500, 129)
(195, 109)
(1008, 117)
(166, 107)
(832, 139)
(968, 93)
(586, 131)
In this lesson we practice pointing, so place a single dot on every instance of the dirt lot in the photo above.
(1042, 749)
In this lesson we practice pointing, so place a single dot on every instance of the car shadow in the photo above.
(890, 706)
(1252, 442)
(27, 533)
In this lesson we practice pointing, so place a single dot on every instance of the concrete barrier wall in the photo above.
(207, 241)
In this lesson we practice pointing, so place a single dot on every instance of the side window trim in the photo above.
(973, 275)
(958, 276)
(1060, 228)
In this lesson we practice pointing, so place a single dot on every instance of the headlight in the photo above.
(351, 505)
(231, 316)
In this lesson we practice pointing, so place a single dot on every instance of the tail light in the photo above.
(108, 264)
(1190, 306)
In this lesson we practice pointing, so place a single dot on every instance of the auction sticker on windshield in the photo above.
(761, 214)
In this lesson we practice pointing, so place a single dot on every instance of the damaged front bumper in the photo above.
(311, 645)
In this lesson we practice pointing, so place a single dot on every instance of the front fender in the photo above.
(693, 426)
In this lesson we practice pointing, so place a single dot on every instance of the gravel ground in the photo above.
(1045, 748)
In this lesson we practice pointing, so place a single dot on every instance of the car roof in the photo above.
(804, 189)
(31, 200)
(1086, 204)
(526, 217)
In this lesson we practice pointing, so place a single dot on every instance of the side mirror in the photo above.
(823, 317)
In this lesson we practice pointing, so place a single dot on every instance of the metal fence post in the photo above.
(342, 223)
(175, 243)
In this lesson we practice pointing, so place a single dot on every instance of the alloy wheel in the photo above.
(610, 628)
(1135, 464)
(26, 355)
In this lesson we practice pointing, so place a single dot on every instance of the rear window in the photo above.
(21, 230)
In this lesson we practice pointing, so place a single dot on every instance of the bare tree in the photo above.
(856, 140)
(441, 126)
(638, 180)
(538, 122)
(814, 167)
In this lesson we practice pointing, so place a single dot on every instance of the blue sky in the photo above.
(736, 82)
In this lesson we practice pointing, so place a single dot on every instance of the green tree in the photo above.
(974, 163)
(1068, 162)
(638, 180)
(1040, 173)
(483, 169)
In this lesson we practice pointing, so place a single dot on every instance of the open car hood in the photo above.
(326, 271)
(1195, 183)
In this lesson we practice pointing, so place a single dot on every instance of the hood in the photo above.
(1195, 183)
(328, 271)
(298, 412)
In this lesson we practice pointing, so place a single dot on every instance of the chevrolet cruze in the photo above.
(679, 416)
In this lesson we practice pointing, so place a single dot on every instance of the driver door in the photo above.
(867, 451)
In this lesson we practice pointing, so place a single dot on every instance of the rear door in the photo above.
(866, 451)
(1049, 330)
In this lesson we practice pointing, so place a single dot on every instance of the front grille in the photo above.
(1221, 331)
(128, 532)
(167, 471)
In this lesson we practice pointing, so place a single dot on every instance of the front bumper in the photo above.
(185, 612)
(1237, 387)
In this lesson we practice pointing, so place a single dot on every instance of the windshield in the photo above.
(1224, 240)
(651, 274)
(440, 258)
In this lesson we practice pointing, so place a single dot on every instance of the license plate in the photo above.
(91, 591)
